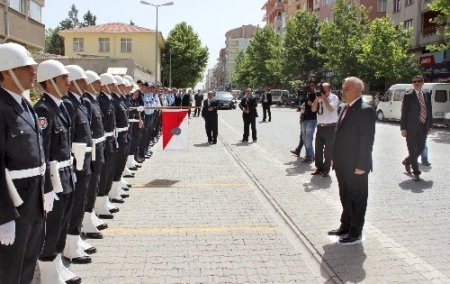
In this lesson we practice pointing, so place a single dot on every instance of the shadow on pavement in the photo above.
(206, 144)
(317, 182)
(440, 137)
(416, 186)
(242, 144)
(162, 183)
(297, 168)
(346, 261)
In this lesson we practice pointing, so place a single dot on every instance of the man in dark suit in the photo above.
(266, 101)
(248, 106)
(198, 98)
(415, 123)
(186, 101)
(209, 113)
(55, 123)
(21, 191)
(352, 159)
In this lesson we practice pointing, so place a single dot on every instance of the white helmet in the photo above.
(119, 80)
(13, 55)
(91, 76)
(127, 82)
(76, 72)
(107, 78)
(129, 78)
(135, 88)
(50, 69)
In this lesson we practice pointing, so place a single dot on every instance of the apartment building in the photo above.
(416, 15)
(236, 40)
(276, 15)
(21, 22)
(377, 8)
(116, 40)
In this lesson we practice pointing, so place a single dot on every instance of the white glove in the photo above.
(8, 233)
(49, 198)
(140, 108)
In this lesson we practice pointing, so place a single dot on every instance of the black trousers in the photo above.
(79, 198)
(18, 261)
(134, 134)
(324, 147)
(211, 127)
(266, 110)
(249, 120)
(107, 172)
(122, 155)
(353, 192)
(147, 133)
(57, 226)
(415, 140)
(198, 110)
(94, 180)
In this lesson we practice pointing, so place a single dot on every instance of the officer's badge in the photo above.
(42, 122)
(175, 131)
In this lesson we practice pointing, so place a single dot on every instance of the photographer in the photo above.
(309, 122)
(325, 105)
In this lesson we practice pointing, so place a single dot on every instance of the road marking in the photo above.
(184, 230)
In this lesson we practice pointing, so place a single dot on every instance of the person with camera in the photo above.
(309, 121)
(325, 105)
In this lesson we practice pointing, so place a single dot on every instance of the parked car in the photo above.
(226, 100)
(390, 105)
(279, 95)
(368, 99)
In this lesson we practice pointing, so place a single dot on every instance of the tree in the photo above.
(385, 53)
(72, 20)
(341, 39)
(301, 49)
(54, 43)
(264, 58)
(188, 57)
(442, 6)
(131, 23)
(241, 74)
(89, 19)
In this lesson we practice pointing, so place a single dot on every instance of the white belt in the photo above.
(109, 134)
(101, 139)
(121, 129)
(88, 149)
(133, 120)
(27, 173)
(65, 164)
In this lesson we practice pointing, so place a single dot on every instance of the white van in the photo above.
(390, 106)
(279, 95)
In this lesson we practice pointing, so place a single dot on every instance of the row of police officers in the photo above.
(62, 161)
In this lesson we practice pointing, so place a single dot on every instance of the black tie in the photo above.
(27, 110)
(64, 112)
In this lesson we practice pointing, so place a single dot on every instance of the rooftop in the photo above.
(111, 28)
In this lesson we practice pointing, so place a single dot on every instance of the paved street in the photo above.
(251, 213)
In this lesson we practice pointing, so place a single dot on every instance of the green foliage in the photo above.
(54, 43)
(342, 39)
(72, 20)
(89, 19)
(241, 75)
(301, 49)
(189, 58)
(264, 58)
(384, 52)
(442, 6)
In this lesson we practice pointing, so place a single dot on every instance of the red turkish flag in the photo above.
(175, 129)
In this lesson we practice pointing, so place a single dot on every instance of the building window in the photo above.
(408, 23)
(78, 44)
(125, 45)
(396, 6)
(381, 5)
(16, 5)
(103, 44)
(409, 2)
(440, 96)
(35, 11)
(329, 2)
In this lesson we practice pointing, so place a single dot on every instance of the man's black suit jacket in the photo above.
(411, 111)
(210, 114)
(268, 99)
(250, 104)
(355, 134)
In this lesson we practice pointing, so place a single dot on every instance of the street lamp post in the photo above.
(156, 32)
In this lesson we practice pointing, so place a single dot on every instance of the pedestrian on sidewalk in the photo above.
(352, 159)
(325, 105)
(309, 121)
(198, 98)
(209, 114)
(415, 123)
(248, 106)
(266, 101)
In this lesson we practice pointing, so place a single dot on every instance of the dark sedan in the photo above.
(226, 100)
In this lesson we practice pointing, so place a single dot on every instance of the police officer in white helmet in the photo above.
(21, 175)
(55, 123)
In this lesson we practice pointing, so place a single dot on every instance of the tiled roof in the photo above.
(111, 28)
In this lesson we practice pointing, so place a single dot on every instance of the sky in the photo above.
(210, 19)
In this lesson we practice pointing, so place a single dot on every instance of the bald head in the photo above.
(352, 89)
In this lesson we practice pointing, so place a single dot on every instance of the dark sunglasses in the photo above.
(417, 81)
